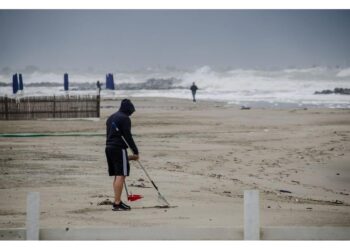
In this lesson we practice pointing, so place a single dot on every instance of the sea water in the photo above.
(293, 87)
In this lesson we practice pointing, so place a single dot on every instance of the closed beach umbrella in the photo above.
(14, 83)
(66, 82)
(112, 81)
(109, 81)
(20, 82)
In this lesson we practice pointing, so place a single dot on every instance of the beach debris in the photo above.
(245, 107)
(309, 208)
(338, 174)
(98, 196)
(285, 191)
(268, 206)
(297, 182)
(227, 192)
(343, 193)
(216, 175)
(105, 202)
(331, 149)
(141, 185)
(338, 202)
(140, 179)
(234, 179)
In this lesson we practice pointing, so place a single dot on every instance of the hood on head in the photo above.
(127, 107)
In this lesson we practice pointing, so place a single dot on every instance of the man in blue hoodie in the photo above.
(119, 138)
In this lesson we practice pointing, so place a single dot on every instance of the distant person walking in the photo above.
(98, 85)
(119, 138)
(194, 90)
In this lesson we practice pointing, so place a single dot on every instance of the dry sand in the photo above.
(202, 156)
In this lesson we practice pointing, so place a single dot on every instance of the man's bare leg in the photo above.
(118, 188)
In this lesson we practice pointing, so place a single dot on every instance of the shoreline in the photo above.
(342, 103)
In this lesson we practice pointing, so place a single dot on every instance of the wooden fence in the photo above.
(39, 107)
(250, 231)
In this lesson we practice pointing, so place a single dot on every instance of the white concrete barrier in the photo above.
(305, 233)
(251, 230)
(142, 233)
(251, 215)
(33, 214)
(167, 233)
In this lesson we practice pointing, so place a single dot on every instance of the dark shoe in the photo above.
(120, 207)
(122, 204)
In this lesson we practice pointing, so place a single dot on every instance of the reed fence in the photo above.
(40, 107)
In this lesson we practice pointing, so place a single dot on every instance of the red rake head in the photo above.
(134, 197)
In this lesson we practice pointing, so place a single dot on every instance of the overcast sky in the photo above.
(135, 39)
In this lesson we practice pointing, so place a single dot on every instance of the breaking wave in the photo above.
(232, 85)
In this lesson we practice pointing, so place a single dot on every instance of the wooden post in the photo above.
(251, 215)
(35, 104)
(54, 106)
(33, 215)
(6, 108)
(98, 105)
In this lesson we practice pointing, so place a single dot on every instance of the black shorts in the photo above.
(118, 162)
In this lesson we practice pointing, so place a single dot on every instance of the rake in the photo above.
(160, 196)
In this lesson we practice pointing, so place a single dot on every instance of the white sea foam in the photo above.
(291, 86)
(344, 73)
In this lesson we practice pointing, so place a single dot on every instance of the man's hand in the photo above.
(133, 157)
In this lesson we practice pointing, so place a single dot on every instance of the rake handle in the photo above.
(154, 185)
(144, 170)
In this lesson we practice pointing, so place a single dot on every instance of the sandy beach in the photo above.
(202, 157)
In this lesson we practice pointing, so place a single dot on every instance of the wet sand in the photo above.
(202, 156)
